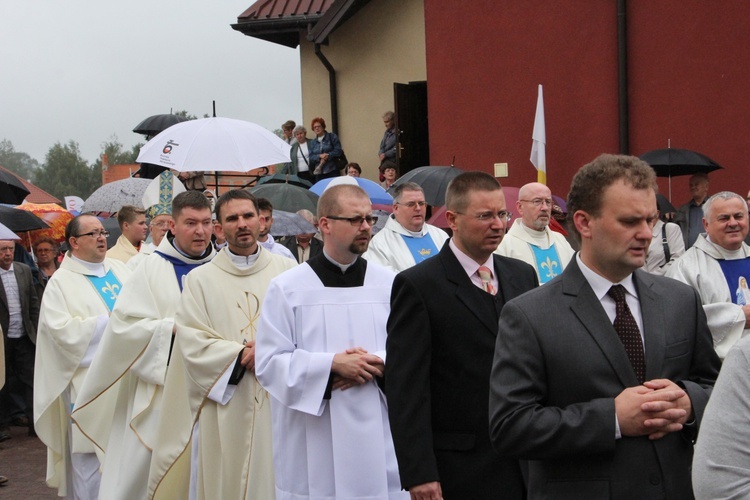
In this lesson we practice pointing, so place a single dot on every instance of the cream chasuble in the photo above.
(326, 448)
(130, 366)
(72, 311)
(218, 312)
(388, 248)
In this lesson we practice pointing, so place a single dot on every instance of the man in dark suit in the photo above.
(304, 246)
(602, 388)
(19, 315)
(441, 336)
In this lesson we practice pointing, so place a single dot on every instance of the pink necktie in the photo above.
(486, 275)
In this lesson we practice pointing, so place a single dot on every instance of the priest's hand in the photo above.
(357, 365)
(248, 356)
(426, 491)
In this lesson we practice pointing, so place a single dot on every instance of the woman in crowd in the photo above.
(324, 150)
(300, 156)
(354, 170)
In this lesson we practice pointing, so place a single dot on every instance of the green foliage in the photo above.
(65, 173)
(15, 161)
(183, 113)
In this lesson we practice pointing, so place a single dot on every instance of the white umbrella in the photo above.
(221, 144)
(7, 234)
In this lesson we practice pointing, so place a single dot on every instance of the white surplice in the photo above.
(326, 448)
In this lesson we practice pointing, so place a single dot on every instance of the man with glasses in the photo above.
(132, 360)
(74, 313)
(320, 352)
(441, 337)
(601, 376)
(531, 240)
(406, 239)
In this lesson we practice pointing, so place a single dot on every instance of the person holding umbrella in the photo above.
(325, 149)
(690, 215)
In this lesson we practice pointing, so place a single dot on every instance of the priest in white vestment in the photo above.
(215, 430)
(320, 354)
(131, 363)
(531, 240)
(406, 239)
(75, 310)
(716, 265)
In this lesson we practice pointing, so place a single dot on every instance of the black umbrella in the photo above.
(284, 179)
(20, 220)
(287, 197)
(672, 162)
(157, 123)
(12, 190)
(434, 181)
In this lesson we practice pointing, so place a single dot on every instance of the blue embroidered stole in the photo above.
(181, 268)
(548, 263)
(108, 287)
(737, 273)
(421, 248)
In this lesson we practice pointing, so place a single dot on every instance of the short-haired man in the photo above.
(387, 149)
(305, 246)
(319, 353)
(531, 240)
(74, 313)
(19, 315)
(132, 222)
(46, 252)
(265, 208)
(406, 239)
(441, 334)
(211, 395)
(718, 267)
(604, 397)
(690, 215)
(131, 363)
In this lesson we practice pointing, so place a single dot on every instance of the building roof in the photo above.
(36, 194)
(280, 21)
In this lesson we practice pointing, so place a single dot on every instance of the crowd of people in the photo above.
(502, 360)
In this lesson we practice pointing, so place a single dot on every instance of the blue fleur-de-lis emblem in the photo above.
(549, 264)
(112, 289)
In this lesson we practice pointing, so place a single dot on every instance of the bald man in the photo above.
(531, 240)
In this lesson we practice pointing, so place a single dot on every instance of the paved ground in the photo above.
(23, 460)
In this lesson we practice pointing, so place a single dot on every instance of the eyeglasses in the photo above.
(537, 202)
(503, 215)
(160, 224)
(412, 204)
(356, 221)
(95, 234)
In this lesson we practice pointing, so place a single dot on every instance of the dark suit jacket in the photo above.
(441, 337)
(316, 246)
(558, 366)
(29, 302)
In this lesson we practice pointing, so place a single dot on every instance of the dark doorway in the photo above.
(411, 119)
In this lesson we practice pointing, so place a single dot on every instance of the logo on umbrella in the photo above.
(168, 147)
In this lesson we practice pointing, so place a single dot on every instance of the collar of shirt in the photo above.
(9, 270)
(470, 266)
(341, 266)
(601, 285)
(243, 261)
(96, 268)
(727, 254)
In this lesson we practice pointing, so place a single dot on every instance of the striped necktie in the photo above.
(486, 276)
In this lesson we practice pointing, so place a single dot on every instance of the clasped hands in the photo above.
(653, 409)
(355, 366)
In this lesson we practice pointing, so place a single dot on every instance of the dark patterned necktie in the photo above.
(627, 329)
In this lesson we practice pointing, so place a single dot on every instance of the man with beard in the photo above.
(406, 238)
(531, 240)
(74, 313)
(320, 353)
(214, 409)
(131, 364)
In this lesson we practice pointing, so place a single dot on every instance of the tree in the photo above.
(16, 161)
(66, 173)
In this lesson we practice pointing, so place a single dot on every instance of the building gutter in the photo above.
(332, 88)
(622, 77)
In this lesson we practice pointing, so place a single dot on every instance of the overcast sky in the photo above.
(85, 70)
